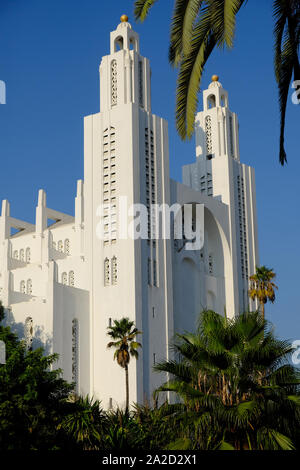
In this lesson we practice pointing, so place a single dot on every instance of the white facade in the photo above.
(62, 285)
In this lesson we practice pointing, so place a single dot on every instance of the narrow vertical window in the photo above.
(29, 287)
(75, 353)
(67, 246)
(208, 135)
(154, 358)
(149, 271)
(154, 273)
(28, 255)
(22, 287)
(141, 85)
(231, 136)
(2, 352)
(16, 254)
(71, 279)
(60, 246)
(22, 255)
(114, 83)
(114, 267)
(106, 272)
(28, 333)
(64, 279)
(210, 265)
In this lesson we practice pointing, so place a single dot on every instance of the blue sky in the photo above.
(49, 57)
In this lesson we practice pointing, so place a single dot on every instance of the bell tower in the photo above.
(219, 173)
(126, 164)
(124, 74)
(219, 123)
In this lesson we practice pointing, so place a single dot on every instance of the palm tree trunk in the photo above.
(262, 306)
(127, 387)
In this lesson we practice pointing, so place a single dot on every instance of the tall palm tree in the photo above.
(198, 26)
(262, 288)
(236, 387)
(124, 332)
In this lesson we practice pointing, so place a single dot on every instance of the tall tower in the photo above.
(218, 173)
(126, 162)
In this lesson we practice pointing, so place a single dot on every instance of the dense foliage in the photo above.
(234, 386)
(32, 397)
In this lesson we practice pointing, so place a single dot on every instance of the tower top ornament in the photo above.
(124, 19)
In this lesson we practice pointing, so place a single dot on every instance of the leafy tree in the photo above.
(124, 333)
(198, 26)
(262, 288)
(32, 398)
(237, 389)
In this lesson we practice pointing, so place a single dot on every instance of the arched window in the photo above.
(67, 246)
(64, 278)
(22, 287)
(75, 353)
(28, 333)
(60, 246)
(29, 287)
(211, 101)
(224, 101)
(106, 272)
(16, 254)
(133, 44)
(114, 267)
(208, 135)
(119, 43)
(28, 255)
(22, 257)
(114, 83)
(71, 278)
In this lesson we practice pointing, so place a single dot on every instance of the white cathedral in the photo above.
(62, 285)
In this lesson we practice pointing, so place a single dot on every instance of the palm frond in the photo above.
(141, 8)
(223, 16)
(190, 73)
(286, 57)
(184, 16)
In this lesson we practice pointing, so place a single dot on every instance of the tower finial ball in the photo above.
(124, 18)
(215, 78)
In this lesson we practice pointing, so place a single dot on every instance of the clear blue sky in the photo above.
(50, 51)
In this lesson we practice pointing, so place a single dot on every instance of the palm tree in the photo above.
(84, 422)
(262, 288)
(236, 387)
(125, 333)
(198, 26)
